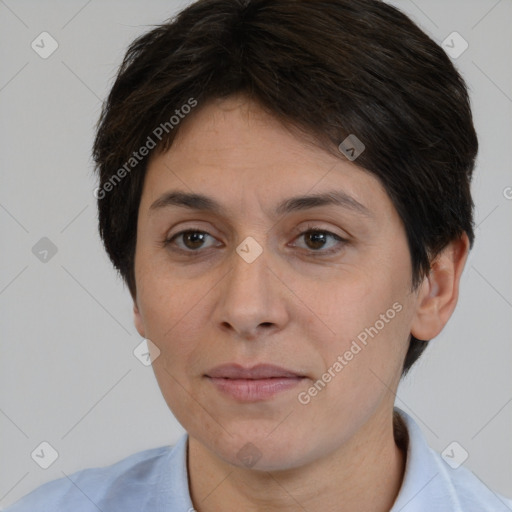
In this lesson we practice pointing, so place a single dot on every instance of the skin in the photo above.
(294, 306)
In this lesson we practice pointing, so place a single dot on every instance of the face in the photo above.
(319, 288)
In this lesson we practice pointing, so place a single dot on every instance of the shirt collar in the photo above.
(172, 490)
(425, 487)
(426, 483)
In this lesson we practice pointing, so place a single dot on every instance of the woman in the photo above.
(285, 189)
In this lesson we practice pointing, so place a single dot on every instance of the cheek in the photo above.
(175, 321)
(174, 315)
(163, 296)
(367, 318)
(351, 303)
(361, 362)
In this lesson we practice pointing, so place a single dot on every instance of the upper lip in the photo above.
(260, 371)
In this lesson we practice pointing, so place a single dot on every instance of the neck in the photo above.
(364, 474)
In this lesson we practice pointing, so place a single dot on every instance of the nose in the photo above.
(252, 301)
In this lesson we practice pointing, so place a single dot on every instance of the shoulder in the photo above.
(432, 482)
(472, 494)
(114, 487)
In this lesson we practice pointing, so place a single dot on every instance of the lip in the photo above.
(260, 371)
(257, 383)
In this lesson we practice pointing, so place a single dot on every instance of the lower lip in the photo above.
(253, 390)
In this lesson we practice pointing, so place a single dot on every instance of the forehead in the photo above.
(231, 150)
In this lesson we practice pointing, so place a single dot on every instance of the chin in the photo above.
(262, 452)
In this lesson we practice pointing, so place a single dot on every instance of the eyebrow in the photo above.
(293, 204)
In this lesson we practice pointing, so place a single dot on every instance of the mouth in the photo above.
(258, 383)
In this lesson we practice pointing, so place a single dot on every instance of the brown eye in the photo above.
(191, 240)
(316, 239)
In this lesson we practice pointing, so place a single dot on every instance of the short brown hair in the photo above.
(328, 67)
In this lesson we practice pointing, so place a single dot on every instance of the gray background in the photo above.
(68, 375)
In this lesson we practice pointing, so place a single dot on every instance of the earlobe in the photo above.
(439, 291)
(137, 320)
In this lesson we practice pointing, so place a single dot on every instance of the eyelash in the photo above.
(309, 229)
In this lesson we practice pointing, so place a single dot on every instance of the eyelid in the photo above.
(192, 225)
(333, 251)
(171, 238)
(315, 226)
(298, 231)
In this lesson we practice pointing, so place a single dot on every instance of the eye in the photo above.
(317, 238)
(192, 240)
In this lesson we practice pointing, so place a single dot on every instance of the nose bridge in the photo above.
(249, 275)
(250, 256)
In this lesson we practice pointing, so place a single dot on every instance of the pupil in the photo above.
(317, 237)
(195, 238)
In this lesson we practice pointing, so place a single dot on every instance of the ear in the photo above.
(439, 291)
(137, 320)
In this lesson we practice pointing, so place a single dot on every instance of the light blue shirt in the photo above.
(156, 480)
